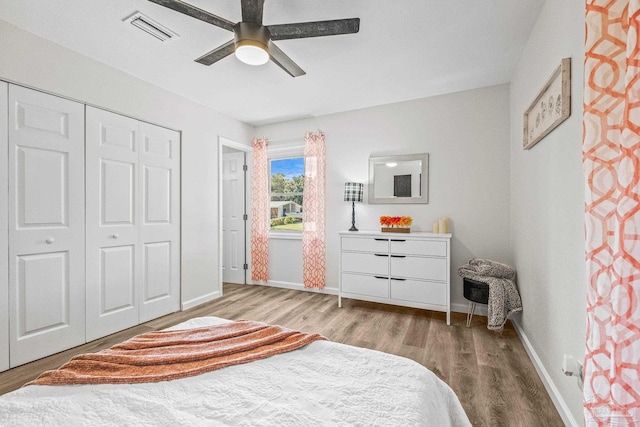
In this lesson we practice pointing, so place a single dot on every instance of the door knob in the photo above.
(115, 236)
(50, 240)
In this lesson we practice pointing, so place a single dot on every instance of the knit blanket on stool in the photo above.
(504, 298)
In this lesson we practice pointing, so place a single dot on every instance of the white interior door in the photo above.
(113, 214)
(233, 223)
(160, 229)
(4, 232)
(46, 224)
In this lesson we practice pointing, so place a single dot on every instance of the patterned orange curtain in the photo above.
(259, 210)
(313, 211)
(611, 160)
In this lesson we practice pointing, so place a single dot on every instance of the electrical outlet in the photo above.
(581, 376)
(572, 368)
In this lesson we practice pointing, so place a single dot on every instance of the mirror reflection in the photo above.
(398, 179)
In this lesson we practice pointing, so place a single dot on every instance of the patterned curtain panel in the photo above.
(259, 211)
(313, 212)
(611, 160)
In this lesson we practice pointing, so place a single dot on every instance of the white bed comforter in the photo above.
(321, 384)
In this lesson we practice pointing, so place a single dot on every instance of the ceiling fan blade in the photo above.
(252, 11)
(194, 12)
(284, 62)
(217, 54)
(314, 29)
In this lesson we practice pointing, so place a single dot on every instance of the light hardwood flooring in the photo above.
(491, 373)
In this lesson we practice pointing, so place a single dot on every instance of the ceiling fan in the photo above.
(253, 42)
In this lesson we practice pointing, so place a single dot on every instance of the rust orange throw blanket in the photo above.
(167, 355)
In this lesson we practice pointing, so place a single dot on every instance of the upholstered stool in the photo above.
(476, 292)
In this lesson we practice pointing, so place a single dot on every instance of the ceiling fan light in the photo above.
(252, 52)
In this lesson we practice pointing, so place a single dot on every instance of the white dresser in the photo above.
(409, 269)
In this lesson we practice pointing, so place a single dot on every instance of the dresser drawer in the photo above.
(423, 292)
(419, 247)
(365, 244)
(365, 285)
(369, 263)
(419, 268)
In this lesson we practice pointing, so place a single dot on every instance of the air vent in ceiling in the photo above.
(150, 26)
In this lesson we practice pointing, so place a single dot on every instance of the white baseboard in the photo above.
(481, 309)
(200, 300)
(300, 287)
(553, 391)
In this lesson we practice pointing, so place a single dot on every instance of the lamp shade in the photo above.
(353, 192)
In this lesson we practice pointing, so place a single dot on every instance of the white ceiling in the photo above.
(405, 50)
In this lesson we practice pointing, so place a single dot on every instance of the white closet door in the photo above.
(113, 217)
(160, 231)
(4, 236)
(46, 224)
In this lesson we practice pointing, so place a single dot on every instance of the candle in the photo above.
(447, 229)
(436, 227)
(442, 225)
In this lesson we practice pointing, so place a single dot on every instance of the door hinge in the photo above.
(245, 217)
(245, 168)
(245, 267)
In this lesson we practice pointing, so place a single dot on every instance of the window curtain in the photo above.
(313, 211)
(260, 208)
(611, 160)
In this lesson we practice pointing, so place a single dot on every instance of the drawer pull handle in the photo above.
(381, 277)
(381, 240)
(381, 255)
(398, 256)
(395, 278)
(50, 240)
(398, 240)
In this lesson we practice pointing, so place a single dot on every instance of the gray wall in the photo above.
(30, 60)
(547, 205)
(467, 137)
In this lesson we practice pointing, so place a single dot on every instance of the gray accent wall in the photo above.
(547, 205)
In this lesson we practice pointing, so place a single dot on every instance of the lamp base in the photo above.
(353, 217)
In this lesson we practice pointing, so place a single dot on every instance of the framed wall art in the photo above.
(551, 107)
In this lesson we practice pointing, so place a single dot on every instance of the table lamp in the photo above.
(353, 192)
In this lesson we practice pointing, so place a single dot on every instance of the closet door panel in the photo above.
(117, 278)
(113, 216)
(157, 185)
(42, 289)
(46, 224)
(160, 236)
(157, 273)
(117, 187)
(4, 231)
(41, 176)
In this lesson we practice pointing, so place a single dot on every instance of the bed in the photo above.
(321, 384)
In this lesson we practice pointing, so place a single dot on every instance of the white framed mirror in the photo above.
(399, 179)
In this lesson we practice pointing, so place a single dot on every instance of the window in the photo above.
(287, 187)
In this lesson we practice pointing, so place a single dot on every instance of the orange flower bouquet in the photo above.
(396, 224)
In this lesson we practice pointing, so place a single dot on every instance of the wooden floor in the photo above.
(491, 373)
